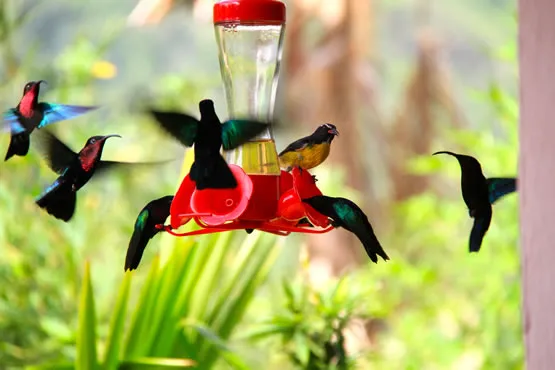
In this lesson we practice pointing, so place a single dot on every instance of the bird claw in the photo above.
(314, 178)
(162, 227)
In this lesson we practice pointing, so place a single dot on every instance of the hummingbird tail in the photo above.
(19, 145)
(135, 251)
(374, 249)
(59, 202)
(479, 229)
(215, 175)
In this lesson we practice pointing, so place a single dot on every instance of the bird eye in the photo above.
(93, 141)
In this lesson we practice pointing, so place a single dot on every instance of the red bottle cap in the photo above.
(249, 11)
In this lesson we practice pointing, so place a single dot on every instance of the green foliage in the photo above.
(187, 308)
(312, 323)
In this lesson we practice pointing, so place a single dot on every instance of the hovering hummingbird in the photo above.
(309, 151)
(345, 213)
(154, 213)
(75, 170)
(479, 194)
(209, 169)
(30, 114)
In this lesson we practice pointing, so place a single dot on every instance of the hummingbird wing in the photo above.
(356, 221)
(295, 146)
(181, 126)
(238, 131)
(479, 229)
(60, 112)
(103, 166)
(58, 155)
(11, 122)
(500, 186)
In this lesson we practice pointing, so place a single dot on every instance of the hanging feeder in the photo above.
(249, 35)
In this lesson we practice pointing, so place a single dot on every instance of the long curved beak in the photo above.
(333, 132)
(109, 136)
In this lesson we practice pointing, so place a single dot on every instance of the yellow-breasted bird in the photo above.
(308, 152)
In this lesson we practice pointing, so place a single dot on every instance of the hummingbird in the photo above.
(309, 151)
(209, 169)
(345, 213)
(30, 114)
(154, 213)
(74, 170)
(480, 194)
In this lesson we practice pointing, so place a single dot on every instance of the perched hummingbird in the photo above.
(309, 151)
(75, 170)
(154, 213)
(479, 194)
(345, 213)
(30, 114)
(209, 170)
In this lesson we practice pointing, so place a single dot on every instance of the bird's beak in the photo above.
(333, 132)
(109, 136)
(42, 82)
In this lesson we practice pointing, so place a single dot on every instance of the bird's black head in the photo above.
(320, 203)
(325, 133)
(93, 147)
(467, 163)
(207, 110)
(32, 87)
(99, 140)
(168, 199)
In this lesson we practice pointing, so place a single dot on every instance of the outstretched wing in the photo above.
(500, 186)
(58, 156)
(181, 126)
(11, 122)
(103, 166)
(60, 112)
(236, 132)
(479, 229)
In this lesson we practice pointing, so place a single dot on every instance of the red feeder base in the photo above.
(269, 203)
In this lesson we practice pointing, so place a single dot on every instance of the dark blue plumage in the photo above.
(479, 194)
(29, 115)
(74, 170)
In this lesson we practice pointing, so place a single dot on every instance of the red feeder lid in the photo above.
(249, 11)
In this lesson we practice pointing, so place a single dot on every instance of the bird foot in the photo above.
(163, 227)
(314, 178)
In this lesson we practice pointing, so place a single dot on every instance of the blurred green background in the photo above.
(419, 76)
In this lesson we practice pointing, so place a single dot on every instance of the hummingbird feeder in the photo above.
(250, 35)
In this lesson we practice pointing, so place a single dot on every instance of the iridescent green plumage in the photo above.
(499, 187)
(209, 170)
(154, 213)
(345, 213)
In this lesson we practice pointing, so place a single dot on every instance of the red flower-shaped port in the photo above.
(211, 206)
(291, 207)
